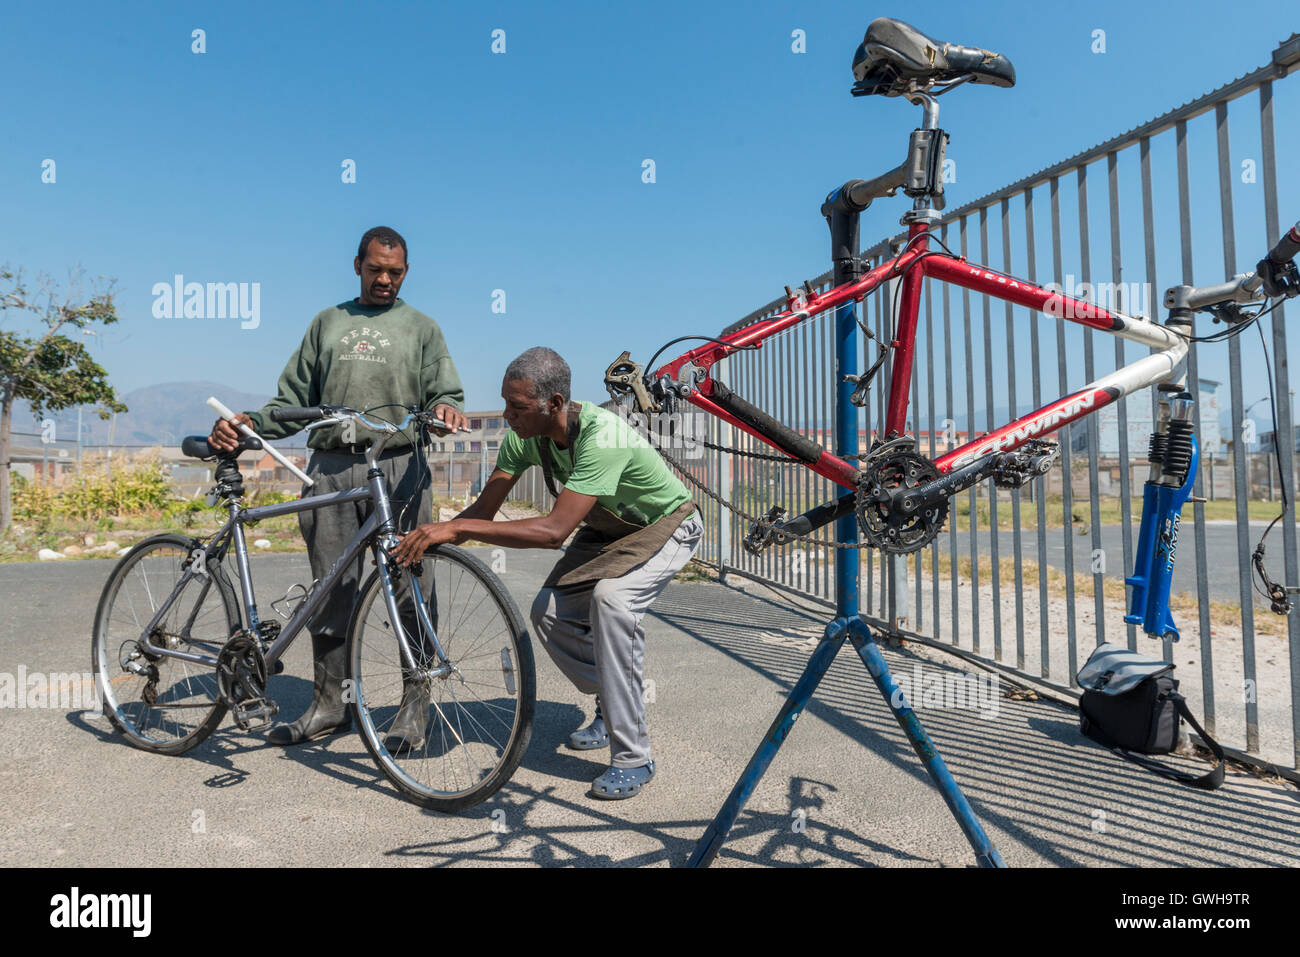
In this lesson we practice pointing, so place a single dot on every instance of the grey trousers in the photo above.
(327, 530)
(593, 634)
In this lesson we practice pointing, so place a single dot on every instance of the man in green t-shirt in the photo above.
(639, 528)
(372, 352)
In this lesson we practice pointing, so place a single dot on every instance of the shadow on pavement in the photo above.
(1027, 771)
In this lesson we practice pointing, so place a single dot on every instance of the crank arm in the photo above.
(912, 500)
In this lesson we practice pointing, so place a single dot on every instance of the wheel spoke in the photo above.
(464, 758)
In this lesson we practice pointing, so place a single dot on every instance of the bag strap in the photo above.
(544, 448)
(1209, 781)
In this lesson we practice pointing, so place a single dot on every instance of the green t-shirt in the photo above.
(615, 463)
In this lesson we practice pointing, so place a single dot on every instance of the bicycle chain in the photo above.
(789, 536)
(750, 455)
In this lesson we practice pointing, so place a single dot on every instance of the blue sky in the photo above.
(522, 171)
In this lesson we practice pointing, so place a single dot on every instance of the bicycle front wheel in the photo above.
(161, 704)
(447, 734)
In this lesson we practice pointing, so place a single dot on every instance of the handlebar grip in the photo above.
(292, 413)
(1286, 247)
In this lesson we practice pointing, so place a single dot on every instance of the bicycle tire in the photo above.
(377, 678)
(123, 693)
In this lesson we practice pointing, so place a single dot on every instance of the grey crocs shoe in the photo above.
(595, 735)
(619, 783)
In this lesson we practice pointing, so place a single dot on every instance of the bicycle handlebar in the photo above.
(294, 413)
(1286, 247)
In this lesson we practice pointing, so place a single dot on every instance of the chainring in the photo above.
(241, 670)
(888, 528)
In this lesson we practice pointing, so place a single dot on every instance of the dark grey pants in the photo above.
(327, 530)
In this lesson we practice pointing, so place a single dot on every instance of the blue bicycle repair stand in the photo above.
(847, 622)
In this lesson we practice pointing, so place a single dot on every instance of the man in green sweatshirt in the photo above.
(365, 353)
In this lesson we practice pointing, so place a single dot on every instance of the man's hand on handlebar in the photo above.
(224, 436)
(453, 417)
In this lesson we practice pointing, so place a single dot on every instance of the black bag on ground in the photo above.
(1131, 704)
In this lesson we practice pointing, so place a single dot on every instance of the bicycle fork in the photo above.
(1174, 456)
(424, 623)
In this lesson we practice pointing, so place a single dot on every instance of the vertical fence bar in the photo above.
(1040, 484)
(1281, 406)
(1239, 456)
(929, 375)
(1089, 373)
(1202, 565)
(826, 392)
(1149, 252)
(1121, 408)
(1067, 491)
(973, 527)
(917, 622)
(951, 421)
(805, 482)
(990, 418)
(1011, 415)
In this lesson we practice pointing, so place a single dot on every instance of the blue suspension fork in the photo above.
(1162, 508)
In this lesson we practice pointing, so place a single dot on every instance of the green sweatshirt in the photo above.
(362, 357)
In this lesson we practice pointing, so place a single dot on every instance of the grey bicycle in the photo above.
(175, 647)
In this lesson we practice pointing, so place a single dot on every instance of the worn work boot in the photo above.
(407, 732)
(329, 713)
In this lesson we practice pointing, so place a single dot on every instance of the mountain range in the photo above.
(158, 414)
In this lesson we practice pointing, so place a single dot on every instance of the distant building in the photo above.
(1266, 443)
(485, 434)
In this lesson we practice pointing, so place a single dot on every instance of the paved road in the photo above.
(1223, 570)
(846, 788)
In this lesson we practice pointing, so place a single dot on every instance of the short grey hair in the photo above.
(545, 369)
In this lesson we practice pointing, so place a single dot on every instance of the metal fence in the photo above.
(1127, 216)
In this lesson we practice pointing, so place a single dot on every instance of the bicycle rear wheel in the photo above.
(473, 723)
(161, 704)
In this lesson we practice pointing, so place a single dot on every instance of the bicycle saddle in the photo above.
(196, 447)
(895, 55)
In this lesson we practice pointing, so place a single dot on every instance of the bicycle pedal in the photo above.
(254, 714)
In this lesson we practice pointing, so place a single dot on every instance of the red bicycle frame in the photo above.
(914, 265)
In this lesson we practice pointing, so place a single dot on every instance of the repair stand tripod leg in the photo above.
(710, 843)
(986, 855)
(856, 629)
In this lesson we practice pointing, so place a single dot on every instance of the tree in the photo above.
(50, 370)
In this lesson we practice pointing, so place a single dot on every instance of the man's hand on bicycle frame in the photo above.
(416, 542)
(477, 523)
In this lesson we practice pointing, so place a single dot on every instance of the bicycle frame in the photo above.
(372, 532)
(916, 263)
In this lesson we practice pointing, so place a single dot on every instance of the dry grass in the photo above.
(1187, 605)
